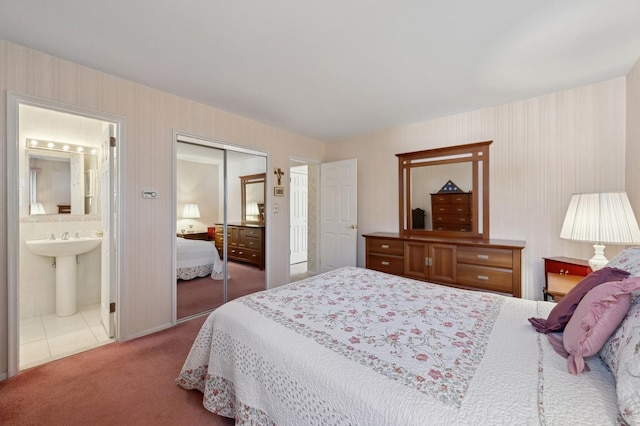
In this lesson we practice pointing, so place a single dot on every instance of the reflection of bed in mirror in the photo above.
(197, 258)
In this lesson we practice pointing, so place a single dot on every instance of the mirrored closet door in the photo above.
(220, 224)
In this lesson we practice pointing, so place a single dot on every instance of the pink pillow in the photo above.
(561, 313)
(597, 316)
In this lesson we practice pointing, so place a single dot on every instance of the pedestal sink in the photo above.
(65, 252)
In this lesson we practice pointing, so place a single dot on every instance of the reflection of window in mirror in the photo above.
(253, 197)
(426, 207)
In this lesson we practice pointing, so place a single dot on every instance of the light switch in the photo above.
(276, 208)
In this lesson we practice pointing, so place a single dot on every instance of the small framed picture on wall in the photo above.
(278, 191)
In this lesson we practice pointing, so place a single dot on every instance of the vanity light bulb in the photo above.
(94, 151)
(66, 147)
(79, 149)
(51, 144)
(34, 142)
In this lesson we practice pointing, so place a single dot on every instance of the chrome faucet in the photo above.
(65, 236)
(52, 236)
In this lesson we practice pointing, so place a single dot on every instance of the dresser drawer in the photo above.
(450, 198)
(252, 232)
(388, 264)
(451, 209)
(382, 246)
(243, 253)
(559, 267)
(499, 258)
(252, 243)
(486, 278)
(451, 219)
(450, 227)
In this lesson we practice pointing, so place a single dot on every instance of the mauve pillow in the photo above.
(561, 313)
(596, 318)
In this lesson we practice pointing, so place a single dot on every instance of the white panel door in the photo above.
(338, 214)
(299, 191)
(107, 209)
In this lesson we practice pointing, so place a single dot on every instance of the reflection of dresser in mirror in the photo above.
(245, 242)
(451, 211)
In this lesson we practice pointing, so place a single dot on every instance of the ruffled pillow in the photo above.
(621, 353)
(627, 260)
(597, 316)
(564, 309)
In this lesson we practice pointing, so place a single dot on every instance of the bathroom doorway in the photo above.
(63, 267)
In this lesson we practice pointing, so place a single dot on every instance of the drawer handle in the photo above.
(483, 277)
(483, 256)
(385, 263)
(384, 246)
(240, 252)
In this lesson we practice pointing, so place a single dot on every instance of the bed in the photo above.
(197, 258)
(360, 347)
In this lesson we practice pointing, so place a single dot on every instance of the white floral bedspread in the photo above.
(197, 258)
(355, 346)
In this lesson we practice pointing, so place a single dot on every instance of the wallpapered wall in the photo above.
(150, 118)
(544, 149)
(198, 183)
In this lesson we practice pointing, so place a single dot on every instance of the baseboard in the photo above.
(147, 332)
(4, 376)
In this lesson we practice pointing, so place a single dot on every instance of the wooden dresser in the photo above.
(493, 265)
(451, 211)
(245, 242)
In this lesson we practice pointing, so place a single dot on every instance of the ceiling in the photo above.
(332, 69)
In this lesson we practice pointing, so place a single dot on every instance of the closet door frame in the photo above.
(185, 137)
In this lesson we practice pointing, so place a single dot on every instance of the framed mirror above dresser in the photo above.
(445, 191)
(444, 223)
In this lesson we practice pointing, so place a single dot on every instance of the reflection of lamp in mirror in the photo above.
(37, 208)
(599, 219)
(252, 211)
(191, 211)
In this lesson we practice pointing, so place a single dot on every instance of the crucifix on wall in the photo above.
(278, 172)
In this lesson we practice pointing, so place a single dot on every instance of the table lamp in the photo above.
(604, 218)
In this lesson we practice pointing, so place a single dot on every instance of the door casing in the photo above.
(14, 100)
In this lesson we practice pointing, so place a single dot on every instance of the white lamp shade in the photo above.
(191, 211)
(252, 209)
(37, 208)
(601, 218)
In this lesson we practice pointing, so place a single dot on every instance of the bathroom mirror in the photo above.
(253, 196)
(62, 180)
(445, 191)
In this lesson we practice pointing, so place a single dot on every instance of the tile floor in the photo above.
(49, 337)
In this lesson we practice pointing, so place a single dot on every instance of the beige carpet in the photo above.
(203, 294)
(126, 383)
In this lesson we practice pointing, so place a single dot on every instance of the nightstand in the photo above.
(195, 236)
(561, 274)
